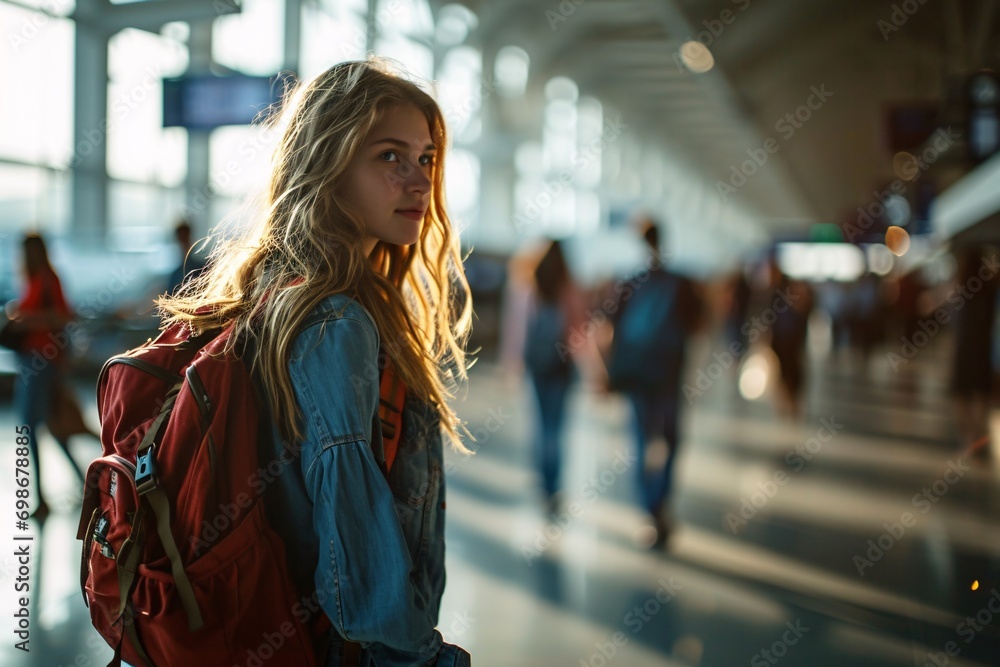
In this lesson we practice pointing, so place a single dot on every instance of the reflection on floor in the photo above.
(853, 536)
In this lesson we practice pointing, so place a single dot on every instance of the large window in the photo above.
(147, 164)
(558, 177)
(241, 158)
(139, 147)
(36, 75)
(332, 32)
(33, 197)
(403, 28)
(251, 41)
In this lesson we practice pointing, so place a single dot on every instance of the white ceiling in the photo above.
(770, 57)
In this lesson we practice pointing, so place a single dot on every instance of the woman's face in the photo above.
(388, 182)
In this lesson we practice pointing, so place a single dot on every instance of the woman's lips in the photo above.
(412, 213)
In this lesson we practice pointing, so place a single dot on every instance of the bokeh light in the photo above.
(897, 240)
(880, 260)
(696, 57)
(753, 377)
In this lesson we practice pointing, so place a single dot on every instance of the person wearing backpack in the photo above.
(348, 305)
(652, 321)
(555, 309)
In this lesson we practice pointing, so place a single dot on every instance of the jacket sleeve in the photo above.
(363, 576)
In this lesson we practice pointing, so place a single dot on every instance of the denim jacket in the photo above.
(379, 545)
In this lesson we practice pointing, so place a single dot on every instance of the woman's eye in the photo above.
(389, 156)
(426, 160)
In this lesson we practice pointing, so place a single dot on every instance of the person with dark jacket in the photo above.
(652, 323)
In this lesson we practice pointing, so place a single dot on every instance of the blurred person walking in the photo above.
(39, 317)
(555, 307)
(972, 367)
(652, 322)
(191, 265)
(739, 294)
(867, 315)
(788, 338)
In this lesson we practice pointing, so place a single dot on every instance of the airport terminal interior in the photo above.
(823, 177)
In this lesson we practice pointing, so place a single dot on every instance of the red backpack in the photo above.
(180, 565)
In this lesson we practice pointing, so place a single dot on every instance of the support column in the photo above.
(95, 21)
(371, 28)
(197, 186)
(293, 35)
(89, 163)
(495, 227)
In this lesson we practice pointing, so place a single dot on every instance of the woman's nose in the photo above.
(419, 180)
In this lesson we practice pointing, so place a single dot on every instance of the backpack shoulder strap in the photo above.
(148, 487)
(391, 397)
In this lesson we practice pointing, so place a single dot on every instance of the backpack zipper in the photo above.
(125, 462)
(204, 403)
(199, 393)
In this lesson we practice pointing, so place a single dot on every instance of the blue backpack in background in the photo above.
(545, 350)
(648, 347)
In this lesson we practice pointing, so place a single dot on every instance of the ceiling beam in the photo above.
(108, 19)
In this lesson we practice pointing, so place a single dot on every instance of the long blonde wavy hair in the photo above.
(308, 245)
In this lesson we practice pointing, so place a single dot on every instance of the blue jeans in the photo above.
(655, 413)
(550, 392)
(32, 397)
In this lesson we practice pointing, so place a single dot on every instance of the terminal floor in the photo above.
(790, 548)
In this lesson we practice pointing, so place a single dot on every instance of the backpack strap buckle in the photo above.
(145, 471)
(145, 459)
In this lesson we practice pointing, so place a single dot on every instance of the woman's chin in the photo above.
(401, 234)
(408, 237)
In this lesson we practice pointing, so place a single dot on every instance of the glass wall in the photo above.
(36, 75)
(147, 164)
(549, 163)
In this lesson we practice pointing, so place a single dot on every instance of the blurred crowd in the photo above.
(633, 334)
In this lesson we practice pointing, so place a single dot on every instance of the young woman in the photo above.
(41, 314)
(354, 272)
(549, 363)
